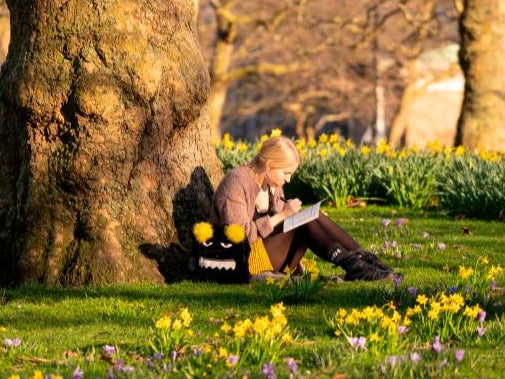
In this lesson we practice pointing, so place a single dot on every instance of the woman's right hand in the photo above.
(292, 206)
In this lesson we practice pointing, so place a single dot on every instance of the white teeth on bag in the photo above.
(220, 264)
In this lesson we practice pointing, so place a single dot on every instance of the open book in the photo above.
(304, 216)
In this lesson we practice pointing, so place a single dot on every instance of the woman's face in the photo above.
(277, 177)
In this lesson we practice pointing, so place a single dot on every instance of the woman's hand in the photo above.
(292, 206)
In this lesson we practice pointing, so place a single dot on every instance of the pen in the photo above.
(283, 199)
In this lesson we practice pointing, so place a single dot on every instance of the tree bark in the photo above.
(482, 59)
(105, 139)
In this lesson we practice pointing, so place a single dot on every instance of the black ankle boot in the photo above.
(359, 267)
(373, 259)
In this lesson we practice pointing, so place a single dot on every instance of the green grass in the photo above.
(62, 329)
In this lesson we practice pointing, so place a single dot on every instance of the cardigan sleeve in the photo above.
(235, 202)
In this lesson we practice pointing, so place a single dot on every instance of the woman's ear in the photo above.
(268, 165)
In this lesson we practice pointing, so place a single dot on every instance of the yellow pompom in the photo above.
(235, 233)
(203, 231)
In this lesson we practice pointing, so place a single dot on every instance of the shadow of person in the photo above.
(191, 204)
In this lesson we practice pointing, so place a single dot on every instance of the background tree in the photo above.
(4, 30)
(105, 138)
(482, 58)
(337, 48)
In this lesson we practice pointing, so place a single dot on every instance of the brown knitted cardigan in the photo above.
(234, 202)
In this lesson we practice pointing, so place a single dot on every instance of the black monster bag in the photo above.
(220, 253)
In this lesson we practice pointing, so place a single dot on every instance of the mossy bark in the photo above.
(482, 58)
(105, 139)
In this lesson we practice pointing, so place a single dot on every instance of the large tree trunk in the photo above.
(482, 58)
(105, 139)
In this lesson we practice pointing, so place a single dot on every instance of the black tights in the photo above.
(320, 235)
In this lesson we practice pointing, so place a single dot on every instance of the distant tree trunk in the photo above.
(399, 126)
(226, 34)
(4, 30)
(105, 139)
(482, 58)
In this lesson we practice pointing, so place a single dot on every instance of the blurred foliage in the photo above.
(452, 180)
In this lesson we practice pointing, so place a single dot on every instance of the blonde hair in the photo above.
(280, 150)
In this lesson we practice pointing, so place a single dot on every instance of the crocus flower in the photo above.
(397, 281)
(357, 342)
(109, 350)
(412, 291)
(119, 365)
(481, 330)
(415, 357)
(128, 369)
(292, 366)
(437, 345)
(459, 354)
(453, 290)
(426, 235)
(386, 222)
(268, 371)
(482, 316)
(14, 342)
(197, 352)
(78, 374)
(402, 329)
(232, 360)
(173, 355)
(442, 246)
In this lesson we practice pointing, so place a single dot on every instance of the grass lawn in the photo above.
(62, 332)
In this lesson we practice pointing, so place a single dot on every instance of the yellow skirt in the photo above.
(258, 259)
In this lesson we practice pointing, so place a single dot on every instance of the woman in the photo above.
(252, 195)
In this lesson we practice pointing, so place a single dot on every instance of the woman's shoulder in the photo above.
(239, 173)
(238, 177)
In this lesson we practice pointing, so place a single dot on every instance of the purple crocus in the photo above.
(441, 246)
(357, 342)
(482, 316)
(173, 355)
(459, 355)
(402, 329)
(386, 222)
(292, 366)
(481, 331)
(119, 365)
(109, 350)
(412, 291)
(415, 357)
(128, 370)
(232, 360)
(78, 374)
(268, 371)
(397, 281)
(197, 352)
(437, 346)
(14, 342)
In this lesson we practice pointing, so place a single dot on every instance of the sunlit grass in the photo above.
(61, 330)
